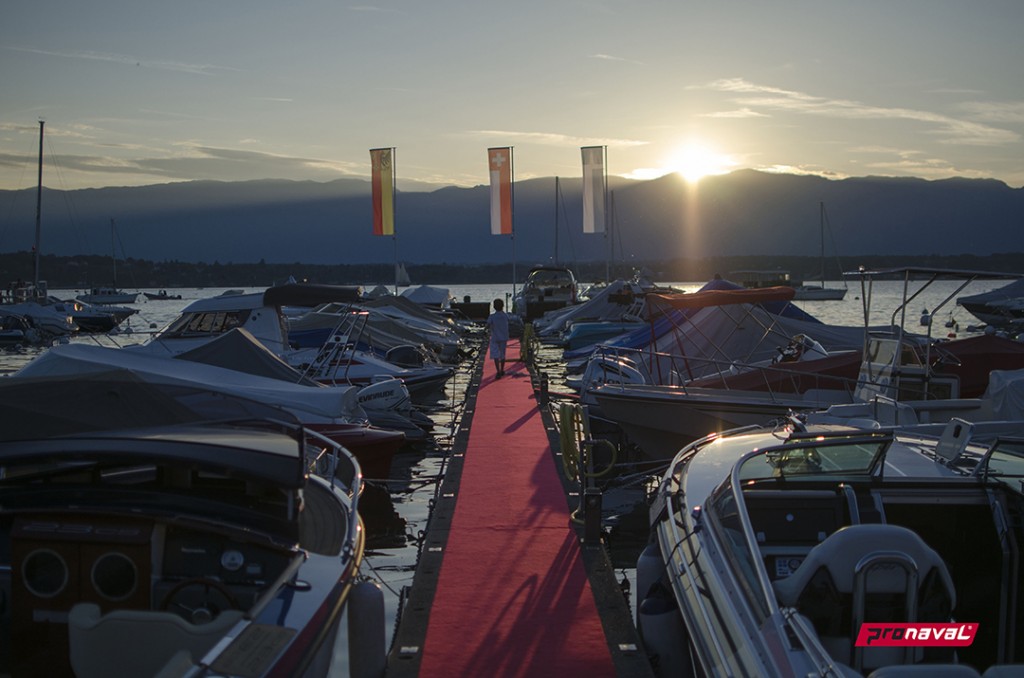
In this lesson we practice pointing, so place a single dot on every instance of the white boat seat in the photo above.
(137, 642)
(954, 440)
(870, 572)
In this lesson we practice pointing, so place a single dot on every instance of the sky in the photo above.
(136, 93)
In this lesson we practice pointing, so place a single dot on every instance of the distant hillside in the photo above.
(743, 213)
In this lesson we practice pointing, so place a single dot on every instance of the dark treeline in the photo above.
(86, 271)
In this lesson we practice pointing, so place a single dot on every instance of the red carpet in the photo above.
(512, 596)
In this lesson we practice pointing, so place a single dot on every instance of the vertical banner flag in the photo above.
(500, 161)
(593, 189)
(383, 179)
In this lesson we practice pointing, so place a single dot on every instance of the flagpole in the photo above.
(604, 167)
(512, 209)
(394, 203)
(556, 221)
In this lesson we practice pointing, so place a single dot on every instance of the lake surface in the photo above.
(396, 510)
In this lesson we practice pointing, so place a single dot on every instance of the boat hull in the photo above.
(662, 420)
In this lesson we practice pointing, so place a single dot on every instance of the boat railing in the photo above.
(336, 355)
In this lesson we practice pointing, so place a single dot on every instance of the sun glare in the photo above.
(695, 161)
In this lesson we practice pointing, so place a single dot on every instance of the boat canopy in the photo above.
(238, 350)
(111, 400)
(720, 297)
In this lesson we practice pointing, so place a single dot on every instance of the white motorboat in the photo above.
(547, 288)
(108, 295)
(793, 552)
(1002, 307)
(144, 539)
(689, 394)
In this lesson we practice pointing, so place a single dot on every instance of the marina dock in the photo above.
(506, 585)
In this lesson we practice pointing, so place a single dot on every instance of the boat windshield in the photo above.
(816, 456)
(206, 323)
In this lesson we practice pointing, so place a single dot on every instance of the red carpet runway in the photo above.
(512, 597)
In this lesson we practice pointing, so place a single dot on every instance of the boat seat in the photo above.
(930, 670)
(137, 642)
(868, 572)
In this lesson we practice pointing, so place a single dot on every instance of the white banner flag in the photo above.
(593, 189)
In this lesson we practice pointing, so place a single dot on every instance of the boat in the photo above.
(805, 292)
(144, 539)
(402, 278)
(333, 412)
(17, 330)
(160, 296)
(1002, 307)
(24, 297)
(109, 295)
(547, 288)
(381, 325)
(338, 362)
(788, 551)
(31, 301)
(719, 377)
(90, 318)
(428, 296)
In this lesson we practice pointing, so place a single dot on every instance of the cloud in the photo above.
(194, 162)
(551, 139)
(738, 113)
(124, 59)
(989, 111)
(609, 57)
(951, 130)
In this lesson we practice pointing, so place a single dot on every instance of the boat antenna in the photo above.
(39, 211)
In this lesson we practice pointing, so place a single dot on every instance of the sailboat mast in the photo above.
(39, 211)
(113, 251)
(821, 226)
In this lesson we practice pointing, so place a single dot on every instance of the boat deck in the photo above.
(504, 585)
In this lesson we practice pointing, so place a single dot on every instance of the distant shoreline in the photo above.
(84, 271)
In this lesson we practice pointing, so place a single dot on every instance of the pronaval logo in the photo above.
(916, 634)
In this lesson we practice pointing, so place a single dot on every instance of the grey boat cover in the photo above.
(1006, 392)
(110, 400)
(238, 350)
(309, 403)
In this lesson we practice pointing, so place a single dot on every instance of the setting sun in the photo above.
(694, 161)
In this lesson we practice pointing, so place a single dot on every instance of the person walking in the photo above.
(497, 323)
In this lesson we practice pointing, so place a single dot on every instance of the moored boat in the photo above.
(144, 539)
(778, 551)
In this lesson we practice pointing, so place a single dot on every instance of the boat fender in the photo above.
(366, 655)
(649, 570)
(664, 634)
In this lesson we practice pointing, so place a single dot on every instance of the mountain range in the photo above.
(742, 213)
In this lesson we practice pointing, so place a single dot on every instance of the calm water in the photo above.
(396, 510)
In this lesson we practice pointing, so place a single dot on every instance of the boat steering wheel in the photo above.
(205, 607)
